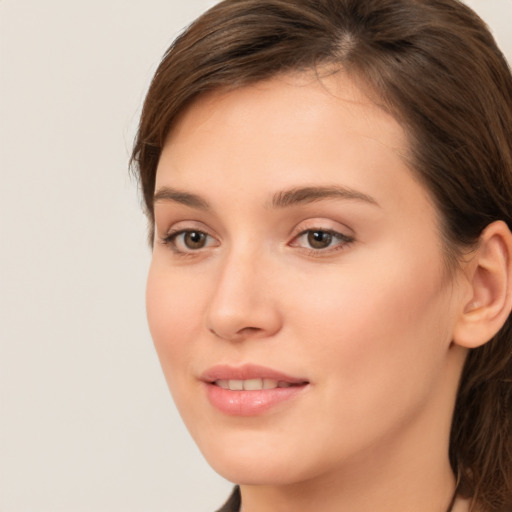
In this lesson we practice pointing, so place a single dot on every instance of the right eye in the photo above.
(186, 241)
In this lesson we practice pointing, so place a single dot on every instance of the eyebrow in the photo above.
(165, 194)
(282, 199)
(307, 195)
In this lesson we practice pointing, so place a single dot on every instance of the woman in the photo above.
(328, 185)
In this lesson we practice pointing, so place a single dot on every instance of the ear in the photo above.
(489, 301)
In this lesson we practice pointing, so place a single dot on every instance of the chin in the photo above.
(255, 473)
(246, 461)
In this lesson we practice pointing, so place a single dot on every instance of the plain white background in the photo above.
(86, 421)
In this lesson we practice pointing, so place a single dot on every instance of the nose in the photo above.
(244, 302)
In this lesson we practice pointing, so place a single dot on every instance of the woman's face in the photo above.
(295, 252)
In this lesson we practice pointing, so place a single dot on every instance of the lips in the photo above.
(249, 390)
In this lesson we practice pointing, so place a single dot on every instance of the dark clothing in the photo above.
(233, 503)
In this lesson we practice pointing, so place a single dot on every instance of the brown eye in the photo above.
(194, 239)
(321, 242)
(319, 239)
(188, 241)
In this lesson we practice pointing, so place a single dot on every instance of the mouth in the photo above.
(257, 384)
(250, 390)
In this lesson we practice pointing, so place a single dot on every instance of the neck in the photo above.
(383, 489)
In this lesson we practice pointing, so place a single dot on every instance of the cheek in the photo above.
(173, 310)
(382, 332)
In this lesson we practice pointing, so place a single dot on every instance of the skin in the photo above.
(368, 320)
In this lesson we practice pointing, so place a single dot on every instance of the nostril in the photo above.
(249, 330)
(244, 332)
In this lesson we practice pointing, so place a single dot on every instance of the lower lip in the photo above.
(249, 403)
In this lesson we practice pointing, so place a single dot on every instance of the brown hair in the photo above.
(434, 65)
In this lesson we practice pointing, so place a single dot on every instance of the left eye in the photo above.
(320, 239)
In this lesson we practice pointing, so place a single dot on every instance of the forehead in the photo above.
(302, 100)
(292, 130)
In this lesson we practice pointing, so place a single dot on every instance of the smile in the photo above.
(250, 390)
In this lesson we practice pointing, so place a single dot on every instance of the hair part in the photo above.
(435, 67)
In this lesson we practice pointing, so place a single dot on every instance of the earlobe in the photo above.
(489, 274)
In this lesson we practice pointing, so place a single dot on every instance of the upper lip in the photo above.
(247, 371)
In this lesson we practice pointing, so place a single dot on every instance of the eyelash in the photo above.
(342, 241)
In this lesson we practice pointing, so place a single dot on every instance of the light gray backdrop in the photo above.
(86, 421)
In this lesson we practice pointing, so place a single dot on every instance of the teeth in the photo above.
(269, 384)
(251, 384)
(236, 385)
(224, 384)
